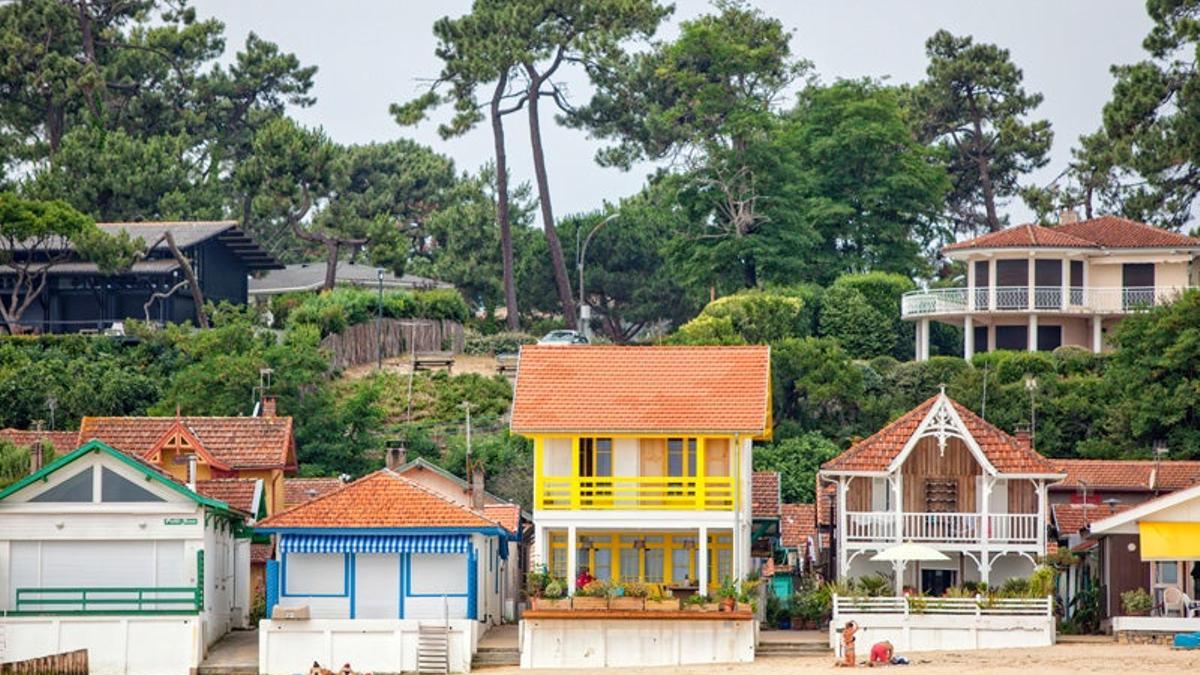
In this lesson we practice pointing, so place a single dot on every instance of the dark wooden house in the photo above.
(79, 297)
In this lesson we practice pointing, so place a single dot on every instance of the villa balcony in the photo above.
(872, 527)
(1024, 299)
(673, 493)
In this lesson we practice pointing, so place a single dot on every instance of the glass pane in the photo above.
(558, 562)
(629, 564)
(1168, 573)
(674, 456)
(681, 564)
(116, 488)
(604, 457)
(724, 564)
(654, 565)
(603, 564)
(77, 488)
(691, 457)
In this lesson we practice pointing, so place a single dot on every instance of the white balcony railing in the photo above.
(876, 526)
(1070, 299)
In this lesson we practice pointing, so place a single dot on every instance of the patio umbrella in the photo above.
(908, 552)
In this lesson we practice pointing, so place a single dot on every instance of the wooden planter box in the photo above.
(552, 603)
(624, 602)
(585, 602)
(743, 607)
(706, 607)
(666, 605)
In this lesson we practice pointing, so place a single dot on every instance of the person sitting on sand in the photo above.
(848, 632)
(881, 654)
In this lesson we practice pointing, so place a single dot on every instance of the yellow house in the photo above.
(1035, 288)
(642, 459)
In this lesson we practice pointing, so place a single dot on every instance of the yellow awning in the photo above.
(1170, 541)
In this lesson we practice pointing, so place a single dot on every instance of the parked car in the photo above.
(563, 337)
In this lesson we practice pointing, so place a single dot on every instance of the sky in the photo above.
(371, 53)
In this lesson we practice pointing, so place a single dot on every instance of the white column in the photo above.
(842, 485)
(898, 572)
(541, 546)
(971, 284)
(1041, 521)
(992, 284)
(985, 507)
(1097, 334)
(898, 504)
(968, 338)
(1032, 333)
(701, 562)
(1030, 281)
(1065, 300)
(572, 561)
(991, 337)
(923, 340)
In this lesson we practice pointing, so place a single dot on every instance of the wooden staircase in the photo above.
(433, 648)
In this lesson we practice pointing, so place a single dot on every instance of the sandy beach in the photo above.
(1072, 658)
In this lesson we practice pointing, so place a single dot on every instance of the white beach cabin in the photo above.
(101, 551)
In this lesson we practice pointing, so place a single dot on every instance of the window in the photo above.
(1012, 337)
(1137, 281)
(77, 488)
(1047, 277)
(1049, 338)
(981, 283)
(941, 495)
(1076, 282)
(679, 463)
(1166, 573)
(116, 488)
(1012, 284)
(314, 574)
(595, 457)
(654, 565)
(437, 574)
(981, 338)
(681, 560)
(630, 564)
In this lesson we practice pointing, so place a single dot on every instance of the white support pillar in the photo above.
(1033, 321)
(1097, 334)
(702, 562)
(898, 574)
(572, 559)
(923, 340)
(1030, 281)
(968, 338)
(843, 564)
(971, 285)
(898, 504)
(1065, 300)
(991, 286)
(541, 546)
(985, 524)
(1041, 521)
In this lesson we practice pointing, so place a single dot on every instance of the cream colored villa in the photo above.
(1036, 288)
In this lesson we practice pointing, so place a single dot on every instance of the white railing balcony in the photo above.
(1003, 528)
(1058, 299)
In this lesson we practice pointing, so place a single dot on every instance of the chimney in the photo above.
(1068, 216)
(477, 487)
(1023, 436)
(268, 407)
(396, 456)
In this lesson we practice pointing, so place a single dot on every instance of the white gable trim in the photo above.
(942, 422)
(1145, 509)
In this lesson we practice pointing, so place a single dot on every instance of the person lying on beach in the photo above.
(881, 654)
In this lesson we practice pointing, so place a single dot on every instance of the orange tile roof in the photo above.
(62, 441)
(764, 494)
(610, 389)
(240, 442)
(1127, 475)
(261, 553)
(236, 492)
(299, 490)
(876, 452)
(508, 515)
(797, 523)
(1101, 232)
(381, 499)
(1071, 518)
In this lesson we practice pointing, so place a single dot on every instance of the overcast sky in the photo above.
(371, 53)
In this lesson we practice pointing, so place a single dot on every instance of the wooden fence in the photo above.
(361, 343)
(70, 663)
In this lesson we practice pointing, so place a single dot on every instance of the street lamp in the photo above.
(379, 323)
(585, 311)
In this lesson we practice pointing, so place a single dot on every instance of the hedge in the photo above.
(336, 310)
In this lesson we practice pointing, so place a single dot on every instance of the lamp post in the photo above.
(379, 323)
(585, 310)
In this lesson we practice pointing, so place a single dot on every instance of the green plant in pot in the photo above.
(727, 595)
(631, 595)
(661, 600)
(554, 596)
(1136, 602)
(593, 595)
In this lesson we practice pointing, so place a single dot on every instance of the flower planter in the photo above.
(552, 603)
(727, 604)
(665, 605)
(626, 602)
(586, 602)
(743, 607)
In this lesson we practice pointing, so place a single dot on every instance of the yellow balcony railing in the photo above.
(679, 493)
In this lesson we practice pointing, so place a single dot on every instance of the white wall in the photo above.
(557, 457)
(136, 645)
(927, 632)
(615, 643)
(379, 645)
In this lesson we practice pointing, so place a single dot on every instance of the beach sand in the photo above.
(1067, 658)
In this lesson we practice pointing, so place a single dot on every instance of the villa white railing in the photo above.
(978, 605)
(1071, 299)
(877, 526)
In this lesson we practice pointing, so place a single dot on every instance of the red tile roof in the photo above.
(261, 553)
(797, 523)
(1127, 475)
(876, 452)
(764, 494)
(379, 500)
(1071, 518)
(1101, 232)
(239, 442)
(299, 490)
(508, 515)
(236, 492)
(62, 441)
(609, 389)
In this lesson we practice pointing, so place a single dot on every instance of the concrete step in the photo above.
(227, 670)
(768, 649)
(496, 656)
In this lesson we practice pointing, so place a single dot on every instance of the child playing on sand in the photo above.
(881, 654)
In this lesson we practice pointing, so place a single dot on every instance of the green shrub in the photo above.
(1136, 602)
(497, 343)
(749, 317)
(334, 311)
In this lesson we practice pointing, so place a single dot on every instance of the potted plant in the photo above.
(630, 595)
(659, 600)
(727, 595)
(700, 603)
(554, 596)
(593, 596)
(747, 591)
(1136, 602)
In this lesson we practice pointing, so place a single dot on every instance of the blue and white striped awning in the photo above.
(375, 543)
